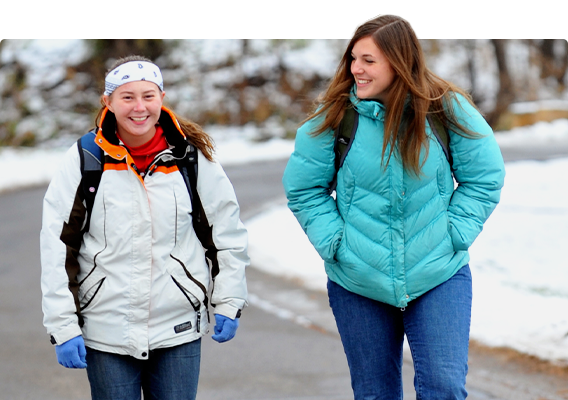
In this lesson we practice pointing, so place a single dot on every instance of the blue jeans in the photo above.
(168, 374)
(437, 329)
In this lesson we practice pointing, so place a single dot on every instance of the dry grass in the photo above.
(527, 362)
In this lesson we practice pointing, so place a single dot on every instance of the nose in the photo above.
(139, 106)
(356, 67)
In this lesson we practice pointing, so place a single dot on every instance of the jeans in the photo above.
(168, 374)
(437, 329)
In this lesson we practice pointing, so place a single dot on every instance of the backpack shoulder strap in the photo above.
(344, 138)
(346, 135)
(92, 160)
(442, 136)
(188, 168)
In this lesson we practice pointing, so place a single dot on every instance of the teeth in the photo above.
(361, 81)
(138, 119)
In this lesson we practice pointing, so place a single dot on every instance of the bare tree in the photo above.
(564, 67)
(554, 60)
(505, 95)
(471, 48)
(245, 34)
(118, 35)
(547, 53)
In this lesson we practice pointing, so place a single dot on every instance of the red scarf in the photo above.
(144, 155)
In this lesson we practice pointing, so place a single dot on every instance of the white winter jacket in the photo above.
(138, 279)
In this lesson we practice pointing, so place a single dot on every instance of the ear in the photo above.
(106, 100)
(163, 95)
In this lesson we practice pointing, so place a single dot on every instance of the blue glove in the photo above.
(225, 328)
(72, 353)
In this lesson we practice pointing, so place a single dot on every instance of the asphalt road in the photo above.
(287, 346)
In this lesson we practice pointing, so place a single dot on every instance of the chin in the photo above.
(363, 94)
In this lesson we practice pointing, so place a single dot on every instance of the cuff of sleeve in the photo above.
(228, 311)
(457, 241)
(335, 244)
(65, 334)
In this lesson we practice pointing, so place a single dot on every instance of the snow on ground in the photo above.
(520, 277)
(520, 281)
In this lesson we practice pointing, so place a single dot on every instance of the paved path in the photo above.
(286, 348)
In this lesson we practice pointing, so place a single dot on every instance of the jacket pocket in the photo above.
(187, 290)
(191, 298)
(340, 246)
(90, 288)
(178, 270)
(191, 288)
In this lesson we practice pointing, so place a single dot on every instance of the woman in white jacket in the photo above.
(125, 289)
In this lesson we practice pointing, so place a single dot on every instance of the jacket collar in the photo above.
(372, 108)
(369, 108)
(107, 138)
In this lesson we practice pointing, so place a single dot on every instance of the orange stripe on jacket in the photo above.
(166, 170)
(116, 167)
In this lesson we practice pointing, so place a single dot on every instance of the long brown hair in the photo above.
(192, 131)
(414, 92)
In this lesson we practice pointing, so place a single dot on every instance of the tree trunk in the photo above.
(119, 35)
(471, 45)
(563, 66)
(552, 64)
(245, 34)
(505, 95)
(547, 46)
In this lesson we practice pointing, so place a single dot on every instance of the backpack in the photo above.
(92, 166)
(346, 135)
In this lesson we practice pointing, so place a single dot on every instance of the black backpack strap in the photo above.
(91, 156)
(343, 140)
(346, 135)
(189, 170)
(441, 133)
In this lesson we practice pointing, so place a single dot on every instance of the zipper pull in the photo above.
(135, 168)
(198, 321)
(152, 169)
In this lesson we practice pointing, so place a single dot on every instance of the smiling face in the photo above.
(137, 106)
(372, 71)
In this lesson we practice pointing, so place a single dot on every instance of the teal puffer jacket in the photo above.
(389, 235)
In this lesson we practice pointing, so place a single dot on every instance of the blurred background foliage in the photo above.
(50, 92)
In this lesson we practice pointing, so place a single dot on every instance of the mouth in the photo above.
(363, 81)
(139, 119)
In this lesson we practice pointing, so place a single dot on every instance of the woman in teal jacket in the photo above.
(395, 238)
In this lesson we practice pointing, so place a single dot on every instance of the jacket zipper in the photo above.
(196, 307)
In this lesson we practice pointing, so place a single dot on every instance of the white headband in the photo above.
(133, 71)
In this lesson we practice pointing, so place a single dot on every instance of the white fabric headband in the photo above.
(133, 71)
